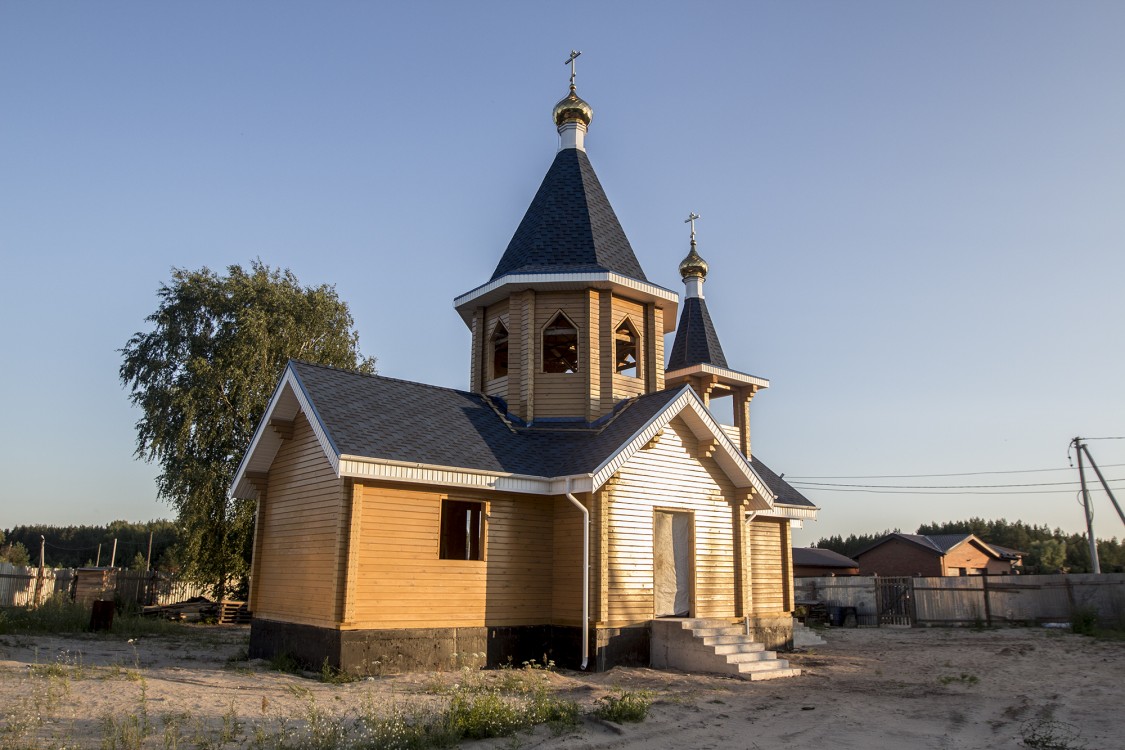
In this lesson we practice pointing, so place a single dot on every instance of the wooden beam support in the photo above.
(260, 480)
(706, 448)
(283, 428)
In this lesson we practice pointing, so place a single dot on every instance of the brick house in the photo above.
(935, 555)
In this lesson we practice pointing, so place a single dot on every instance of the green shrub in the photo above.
(284, 661)
(483, 715)
(625, 706)
(1084, 620)
(333, 675)
(56, 615)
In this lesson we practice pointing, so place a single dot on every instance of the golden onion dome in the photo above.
(693, 264)
(572, 108)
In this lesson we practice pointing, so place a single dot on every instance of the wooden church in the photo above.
(579, 495)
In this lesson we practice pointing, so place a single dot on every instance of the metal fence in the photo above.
(970, 600)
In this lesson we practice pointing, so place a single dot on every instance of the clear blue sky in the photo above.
(914, 212)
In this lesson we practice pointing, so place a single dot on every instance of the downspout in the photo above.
(585, 573)
(746, 615)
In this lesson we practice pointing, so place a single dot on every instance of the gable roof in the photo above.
(374, 426)
(696, 342)
(785, 493)
(939, 544)
(569, 226)
(1007, 553)
(821, 558)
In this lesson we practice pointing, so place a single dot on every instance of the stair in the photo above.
(803, 637)
(713, 646)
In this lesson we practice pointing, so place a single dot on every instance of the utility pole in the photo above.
(98, 562)
(148, 559)
(39, 576)
(1105, 484)
(1095, 566)
(113, 557)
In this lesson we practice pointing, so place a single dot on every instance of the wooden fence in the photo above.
(24, 586)
(970, 600)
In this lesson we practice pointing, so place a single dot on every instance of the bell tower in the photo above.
(697, 357)
(568, 325)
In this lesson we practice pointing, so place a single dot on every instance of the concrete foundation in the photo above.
(774, 632)
(395, 651)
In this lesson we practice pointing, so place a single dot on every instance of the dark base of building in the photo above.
(394, 651)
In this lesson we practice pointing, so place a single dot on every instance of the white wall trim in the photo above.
(723, 372)
(497, 289)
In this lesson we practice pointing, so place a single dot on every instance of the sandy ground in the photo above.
(870, 688)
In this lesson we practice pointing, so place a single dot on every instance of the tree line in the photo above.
(77, 546)
(1045, 550)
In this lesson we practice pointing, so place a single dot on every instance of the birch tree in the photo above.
(202, 376)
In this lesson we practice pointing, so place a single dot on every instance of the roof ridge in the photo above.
(377, 376)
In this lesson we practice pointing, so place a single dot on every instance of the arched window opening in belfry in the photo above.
(499, 354)
(625, 348)
(560, 345)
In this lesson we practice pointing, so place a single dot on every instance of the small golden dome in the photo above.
(571, 108)
(693, 264)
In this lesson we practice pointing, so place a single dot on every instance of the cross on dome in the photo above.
(570, 61)
(691, 219)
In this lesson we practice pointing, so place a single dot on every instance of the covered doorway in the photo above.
(672, 557)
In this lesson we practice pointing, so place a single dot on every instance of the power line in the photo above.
(954, 474)
(940, 486)
(937, 491)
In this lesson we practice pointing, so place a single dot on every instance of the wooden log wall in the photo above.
(771, 567)
(402, 583)
(298, 565)
(666, 476)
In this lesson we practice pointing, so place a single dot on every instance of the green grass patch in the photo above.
(964, 678)
(1084, 621)
(60, 615)
(625, 706)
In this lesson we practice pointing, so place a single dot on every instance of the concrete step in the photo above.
(771, 675)
(715, 645)
(725, 630)
(738, 648)
(748, 656)
(761, 666)
(690, 623)
(803, 637)
(715, 640)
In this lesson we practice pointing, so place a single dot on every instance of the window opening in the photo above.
(560, 346)
(499, 351)
(462, 530)
(625, 340)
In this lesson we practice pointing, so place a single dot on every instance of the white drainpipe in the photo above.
(585, 573)
(746, 618)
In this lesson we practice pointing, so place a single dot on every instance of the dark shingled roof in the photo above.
(570, 226)
(376, 417)
(696, 341)
(371, 416)
(821, 558)
(786, 493)
(937, 543)
(946, 542)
